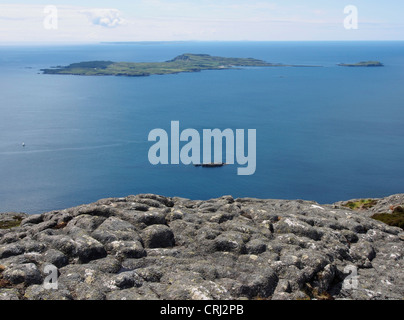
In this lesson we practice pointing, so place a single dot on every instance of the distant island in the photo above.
(184, 63)
(362, 64)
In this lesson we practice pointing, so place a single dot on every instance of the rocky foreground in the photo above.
(153, 247)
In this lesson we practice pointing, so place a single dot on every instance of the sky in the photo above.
(204, 20)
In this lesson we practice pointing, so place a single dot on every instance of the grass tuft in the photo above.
(395, 219)
(16, 222)
(361, 204)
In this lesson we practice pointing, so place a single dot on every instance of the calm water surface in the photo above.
(323, 134)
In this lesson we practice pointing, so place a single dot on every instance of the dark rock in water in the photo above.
(153, 247)
(210, 165)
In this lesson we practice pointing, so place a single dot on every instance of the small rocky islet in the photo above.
(365, 64)
(150, 247)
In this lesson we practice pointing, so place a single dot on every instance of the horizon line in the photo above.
(5, 43)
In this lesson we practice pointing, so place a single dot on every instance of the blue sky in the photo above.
(171, 20)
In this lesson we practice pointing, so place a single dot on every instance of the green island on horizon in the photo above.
(183, 63)
(187, 62)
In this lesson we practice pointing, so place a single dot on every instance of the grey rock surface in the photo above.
(153, 247)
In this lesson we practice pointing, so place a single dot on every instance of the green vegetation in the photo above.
(363, 64)
(8, 224)
(183, 63)
(395, 219)
(361, 204)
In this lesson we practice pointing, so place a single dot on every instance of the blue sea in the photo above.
(324, 134)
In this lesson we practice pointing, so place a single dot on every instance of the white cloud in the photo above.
(23, 22)
(109, 18)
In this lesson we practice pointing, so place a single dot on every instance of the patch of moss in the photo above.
(395, 219)
(315, 293)
(360, 204)
(398, 210)
(60, 225)
(3, 283)
(16, 222)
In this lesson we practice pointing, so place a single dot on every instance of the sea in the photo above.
(324, 134)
